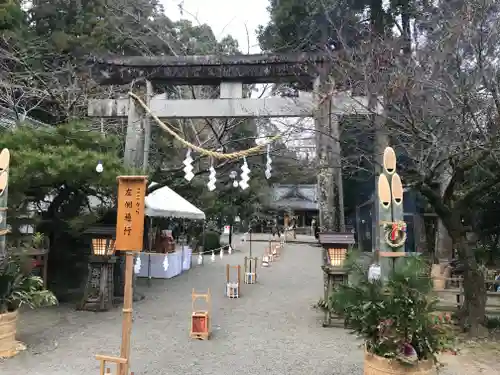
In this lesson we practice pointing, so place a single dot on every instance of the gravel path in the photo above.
(271, 329)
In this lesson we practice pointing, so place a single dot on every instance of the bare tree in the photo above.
(442, 112)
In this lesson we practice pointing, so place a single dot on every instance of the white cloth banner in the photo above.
(155, 269)
(137, 265)
(186, 258)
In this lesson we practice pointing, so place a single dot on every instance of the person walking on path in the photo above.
(294, 227)
(316, 230)
(275, 229)
(313, 224)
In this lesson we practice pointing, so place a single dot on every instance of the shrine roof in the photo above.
(297, 197)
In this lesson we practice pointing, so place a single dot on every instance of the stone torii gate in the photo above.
(230, 73)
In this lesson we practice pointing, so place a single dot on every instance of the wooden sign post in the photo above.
(130, 213)
(130, 239)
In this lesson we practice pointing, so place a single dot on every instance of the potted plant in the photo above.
(38, 240)
(17, 288)
(396, 319)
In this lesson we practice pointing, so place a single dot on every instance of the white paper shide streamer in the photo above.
(213, 257)
(137, 265)
(245, 171)
(374, 272)
(165, 263)
(211, 179)
(188, 169)
(269, 162)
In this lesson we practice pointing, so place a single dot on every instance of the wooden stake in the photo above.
(4, 180)
(127, 312)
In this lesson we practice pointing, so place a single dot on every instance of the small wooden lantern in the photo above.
(233, 287)
(335, 246)
(250, 270)
(200, 319)
(265, 260)
(99, 288)
(103, 246)
(269, 252)
(275, 250)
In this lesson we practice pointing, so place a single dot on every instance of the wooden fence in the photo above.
(452, 297)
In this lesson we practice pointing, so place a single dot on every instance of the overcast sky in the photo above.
(226, 17)
(238, 18)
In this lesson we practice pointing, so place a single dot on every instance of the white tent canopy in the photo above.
(164, 202)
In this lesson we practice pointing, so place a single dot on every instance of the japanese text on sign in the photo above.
(130, 215)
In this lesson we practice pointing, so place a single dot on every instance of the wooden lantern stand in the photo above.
(129, 239)
(233, 287)
(276, 251)
(250, 270)
(98, 293)
(265, 260)
(200, 319)
(335, 246)
(269, 251)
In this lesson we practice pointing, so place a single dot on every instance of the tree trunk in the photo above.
(474, 308)
(330, 190)
(473, 311)
(444, 244)
(405, 23)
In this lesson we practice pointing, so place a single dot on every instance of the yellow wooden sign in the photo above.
(130, 213)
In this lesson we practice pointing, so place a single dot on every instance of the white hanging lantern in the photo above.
(99, 168)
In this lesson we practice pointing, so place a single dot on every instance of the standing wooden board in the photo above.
(130, 213)
(4, 167)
